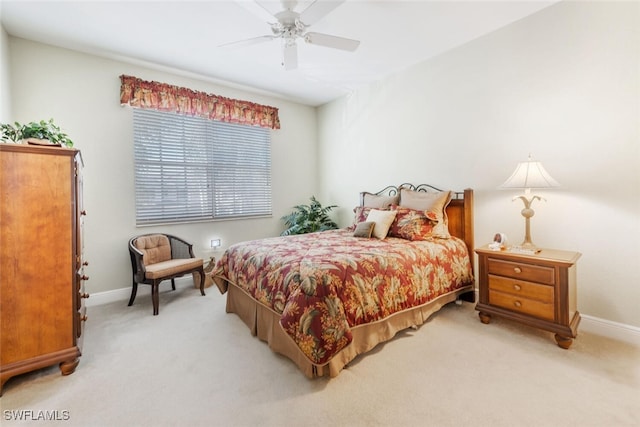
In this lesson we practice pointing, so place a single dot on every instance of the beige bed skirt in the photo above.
(264, 323)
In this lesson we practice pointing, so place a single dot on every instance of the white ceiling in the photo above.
(186, 35)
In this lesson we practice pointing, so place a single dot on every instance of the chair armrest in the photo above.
(137, 263)
(180, 248)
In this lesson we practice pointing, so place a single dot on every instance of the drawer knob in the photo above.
(517, 303)
(517, 287)
(517, 270)
(83, 318)
(84, 295)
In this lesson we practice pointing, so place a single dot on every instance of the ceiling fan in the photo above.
(291, 26)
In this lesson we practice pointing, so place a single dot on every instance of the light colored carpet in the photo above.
(195, 365)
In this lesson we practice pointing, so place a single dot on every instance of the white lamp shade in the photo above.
(530, 174)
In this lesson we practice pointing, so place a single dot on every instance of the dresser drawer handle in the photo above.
(517, 270)
(517, 303)
(517, 287)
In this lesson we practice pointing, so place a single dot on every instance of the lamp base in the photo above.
(530, 250)
(528, 246)
(527, 213)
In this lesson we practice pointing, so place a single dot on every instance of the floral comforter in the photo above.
(325, 283)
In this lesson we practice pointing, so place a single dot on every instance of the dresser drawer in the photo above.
(522, 289)
(539, 309)
(522, 271)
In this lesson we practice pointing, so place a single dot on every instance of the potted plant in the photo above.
(309, 218)
(42, 132)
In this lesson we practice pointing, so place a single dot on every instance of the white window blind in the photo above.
(191, 169)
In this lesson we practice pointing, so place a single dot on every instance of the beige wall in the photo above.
(562, 85)
(81, 93)
(5, 82)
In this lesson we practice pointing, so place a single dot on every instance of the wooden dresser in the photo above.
(42, 277)
(538, 290)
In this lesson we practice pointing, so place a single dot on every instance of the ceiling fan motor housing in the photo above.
(292, 25)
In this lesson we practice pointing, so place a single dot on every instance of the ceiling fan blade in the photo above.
(257, 9)
(334, 42)
(248, 42)
(317, 10)
(290, 56)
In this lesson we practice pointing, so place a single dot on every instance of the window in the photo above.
(190, 169)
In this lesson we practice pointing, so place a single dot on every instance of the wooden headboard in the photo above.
(459, 211)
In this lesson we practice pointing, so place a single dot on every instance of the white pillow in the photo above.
(383, 221)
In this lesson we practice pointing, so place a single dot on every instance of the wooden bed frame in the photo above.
(459, 211)
(263, 322)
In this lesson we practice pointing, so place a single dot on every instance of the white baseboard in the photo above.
(123, 294)
(591, 324)
(609, 329)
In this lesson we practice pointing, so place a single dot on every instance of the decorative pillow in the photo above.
(360, 215)
(432, 204)
(377, 201)
(382, 220)
(411, 224)
(364, 229)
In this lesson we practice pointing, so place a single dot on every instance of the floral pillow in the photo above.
(360, 215)
(411, 224)
(432, 204)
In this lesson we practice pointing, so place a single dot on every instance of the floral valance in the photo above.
(163, 97)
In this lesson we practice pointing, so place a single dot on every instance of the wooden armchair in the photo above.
(158, 257)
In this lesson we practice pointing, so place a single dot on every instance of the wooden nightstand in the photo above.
(538, 290)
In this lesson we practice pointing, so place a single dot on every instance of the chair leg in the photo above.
(201, 272)
(155, 298)
(173, 284)
(134, 291)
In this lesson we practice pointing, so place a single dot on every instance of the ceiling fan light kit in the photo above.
(291, 26)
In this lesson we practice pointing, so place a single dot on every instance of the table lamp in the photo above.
(529, 175)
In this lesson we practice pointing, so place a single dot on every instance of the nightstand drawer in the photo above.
(522, 271)
(515, 303)
(521, 289)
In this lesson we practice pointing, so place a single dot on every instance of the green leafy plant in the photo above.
(309, 218)
(41, 130)
(10, 133)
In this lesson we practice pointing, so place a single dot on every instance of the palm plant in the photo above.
(309, 218)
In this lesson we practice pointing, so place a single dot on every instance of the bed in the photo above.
(321, 299)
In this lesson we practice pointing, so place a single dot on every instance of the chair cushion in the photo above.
(155, 248)
(171, 267)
